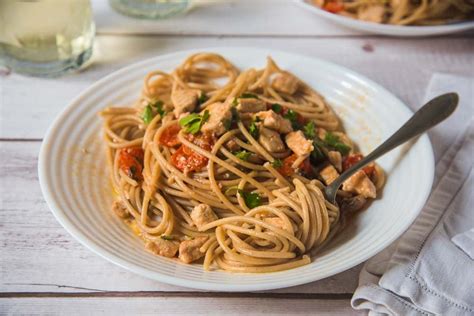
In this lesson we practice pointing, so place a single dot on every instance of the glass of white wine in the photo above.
(150, 9)
(45, 37)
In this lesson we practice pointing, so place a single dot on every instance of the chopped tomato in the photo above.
(351, 160)
(169, 137)
(334, 7)
(186, 159)
(287, 170)
(131, 162)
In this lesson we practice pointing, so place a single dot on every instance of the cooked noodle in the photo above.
(195, 196)
(402, 12)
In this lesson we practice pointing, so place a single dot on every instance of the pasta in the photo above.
(402, 12)
(228, 168)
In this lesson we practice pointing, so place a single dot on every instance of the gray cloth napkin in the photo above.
(430, 269)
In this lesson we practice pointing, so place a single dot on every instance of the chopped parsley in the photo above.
(251, 199)
(333, 141)
(317, 155)
(309, 130)
(277, 163)
(158, 105)
(150, 110)
(202, 98)
(276, 107)
(293, 117)
(253, 129)
(242, 155)
(248, 96)
(166, 237)
(193, 122)
(147, 114)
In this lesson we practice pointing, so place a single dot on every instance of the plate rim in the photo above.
(59, 214)
(387, 29)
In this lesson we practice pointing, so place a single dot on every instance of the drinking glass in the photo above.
(150, 9)
(45, 37)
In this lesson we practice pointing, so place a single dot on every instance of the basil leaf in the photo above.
(251, 199)
(147, 114)
(277, 163)
(166, 237)
(248, 96)
(242, 155)
(276, 107)
(309, 130)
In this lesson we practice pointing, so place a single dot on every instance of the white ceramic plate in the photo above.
(75, 184)
(393, 30)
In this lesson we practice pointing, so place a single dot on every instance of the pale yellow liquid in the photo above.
(45, 30)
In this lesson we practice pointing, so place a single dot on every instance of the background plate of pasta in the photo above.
(397, 17)
(205, 169)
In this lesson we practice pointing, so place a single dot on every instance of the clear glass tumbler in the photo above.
(150, 9)
(45, 37)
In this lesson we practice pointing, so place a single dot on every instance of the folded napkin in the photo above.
(430, 269)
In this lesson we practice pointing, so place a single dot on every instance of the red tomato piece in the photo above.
(186, 159)
(287, 170)
(131, 162)
(355, 158)
(334, 7)
(169, 137)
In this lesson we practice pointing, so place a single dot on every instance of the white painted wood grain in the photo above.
(38, 255)
(28, 105)
(173, 306)
(224, 17)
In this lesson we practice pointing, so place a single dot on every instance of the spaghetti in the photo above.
(402, 12)
(228, 168)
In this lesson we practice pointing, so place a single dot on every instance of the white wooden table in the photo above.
(43, 270)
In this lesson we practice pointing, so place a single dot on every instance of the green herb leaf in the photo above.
(253, 129)
(242, 155)
(317, 155)
(276, 107)
(147, 114)
(193, 122)
(166, 237)
(293, 117)
(158, 105)
(277, 163)
(251, 199)
(309, 130)
(202, 98)
(248, 96)
(333, 140)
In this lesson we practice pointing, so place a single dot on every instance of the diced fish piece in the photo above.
(162, 247)
(329, 174)
(286, 83)
(220, 116)
(184, 100)
(359, 183)
(270, 140)
(202, 214)
(189, 249)
(299, 144)
(275, 121)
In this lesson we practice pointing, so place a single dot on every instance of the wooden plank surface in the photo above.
(173, 306)
(38, 255)
(224, 17)
(28, 105)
